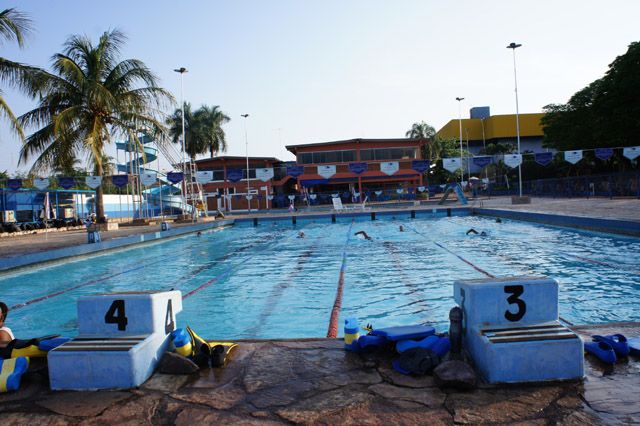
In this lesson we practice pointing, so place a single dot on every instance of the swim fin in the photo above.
(11, 371)
(209, 352)
(220, 351)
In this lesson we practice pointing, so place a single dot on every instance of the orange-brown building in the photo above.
(388, 163)
(229, 188)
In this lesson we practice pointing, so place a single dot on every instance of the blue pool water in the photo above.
(264, 282)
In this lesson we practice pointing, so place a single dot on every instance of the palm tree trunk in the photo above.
(99, 201)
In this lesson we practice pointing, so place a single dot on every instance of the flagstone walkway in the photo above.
(317, 382)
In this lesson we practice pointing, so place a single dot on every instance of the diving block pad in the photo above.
(122, 338)
(512, 333)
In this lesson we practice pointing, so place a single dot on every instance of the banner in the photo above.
(120, 180)
(513, 160)
(482, 161)
(327, 171)
(573, 156)
(175, 177)
(422, 188)
(234, 175)
(41, 183)
(14, 184)
(604, 153)
(544, 158)
(291, 197)
(358, 168)
(93, 181)
(295, 171)
(420, 166)
(389, 167)
(66, 182)
(204, 176)
(265, 174)
(452, 164)
(148, 178)
(631, 152)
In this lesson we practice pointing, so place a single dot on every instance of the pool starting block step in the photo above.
(511, 330)
(122, 338)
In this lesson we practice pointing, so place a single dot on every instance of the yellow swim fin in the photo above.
(220, 352)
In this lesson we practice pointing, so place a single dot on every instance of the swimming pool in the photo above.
(265, 282)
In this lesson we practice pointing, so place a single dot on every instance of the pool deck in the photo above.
(317, 382)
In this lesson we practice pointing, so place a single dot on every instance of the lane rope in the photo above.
(332, 332)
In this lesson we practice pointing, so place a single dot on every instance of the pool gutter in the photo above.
(10, 264)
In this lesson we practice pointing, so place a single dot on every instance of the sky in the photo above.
(316, 71)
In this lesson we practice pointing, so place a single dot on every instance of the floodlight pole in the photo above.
(514, 46)
(246, 145)
(182, 71)
(460, 123)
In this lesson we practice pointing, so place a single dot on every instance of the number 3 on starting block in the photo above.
(121, 314)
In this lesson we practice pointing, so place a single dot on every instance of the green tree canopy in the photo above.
(606, 113)
(90, 98)
(421, 130)
(203, 129)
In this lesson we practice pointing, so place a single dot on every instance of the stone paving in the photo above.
(317, 382)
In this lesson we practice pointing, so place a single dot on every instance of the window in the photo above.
(348, 156)
(305, 158)
(218, 175)
(366, 154)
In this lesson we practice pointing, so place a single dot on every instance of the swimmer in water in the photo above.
(498, 220)
(364, 234)
(199, 233)
(474, 232)
(401, 228)
(300, 234)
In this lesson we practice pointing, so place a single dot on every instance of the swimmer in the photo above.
(5, 332)
(300, 234)
(401, 228)
(498, 220)
(199, 233)
(474, 232)
(364, 234)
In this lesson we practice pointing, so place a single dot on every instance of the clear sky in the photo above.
(314, 71)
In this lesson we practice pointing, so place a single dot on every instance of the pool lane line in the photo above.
(68, 289)
(225, 274)
(332, 331)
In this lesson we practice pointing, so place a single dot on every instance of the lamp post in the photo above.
(246, 145)
(514, 46)
(460, 123)
(182, 71)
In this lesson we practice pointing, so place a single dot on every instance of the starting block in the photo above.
(164, 226)
(122, 336)
(512, 332)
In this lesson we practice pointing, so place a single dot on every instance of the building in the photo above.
(360, 166)
(229, 187)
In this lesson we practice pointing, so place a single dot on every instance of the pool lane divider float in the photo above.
(332, 331)
(122, 336)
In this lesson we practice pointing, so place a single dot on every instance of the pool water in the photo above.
(265, 282)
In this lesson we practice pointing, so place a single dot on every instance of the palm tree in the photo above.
(203, 129)
(89, 98)
(210, 121)
(421, 130)
(14, 26)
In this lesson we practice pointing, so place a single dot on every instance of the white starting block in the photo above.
(93, 237)
(164, 226)
(122, 336)
(511, 330)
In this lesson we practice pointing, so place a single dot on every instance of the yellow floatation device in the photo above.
(11, 371)
(37, 347)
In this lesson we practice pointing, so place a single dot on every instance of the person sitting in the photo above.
(6, 335)
(474, 232)
(364, 234)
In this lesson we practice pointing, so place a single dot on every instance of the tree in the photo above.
(606, 113)
(203, 129)
(89, 98)
(421, 130)
(14, 26)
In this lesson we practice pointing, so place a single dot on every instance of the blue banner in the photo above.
(604, 153)
(420, 166)
(175, 177)
(544, 158)
(234, 175)
(481, 161)
(66, 182)
(358, 168)
(120, 180)
(14, 184)
(295, 171)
